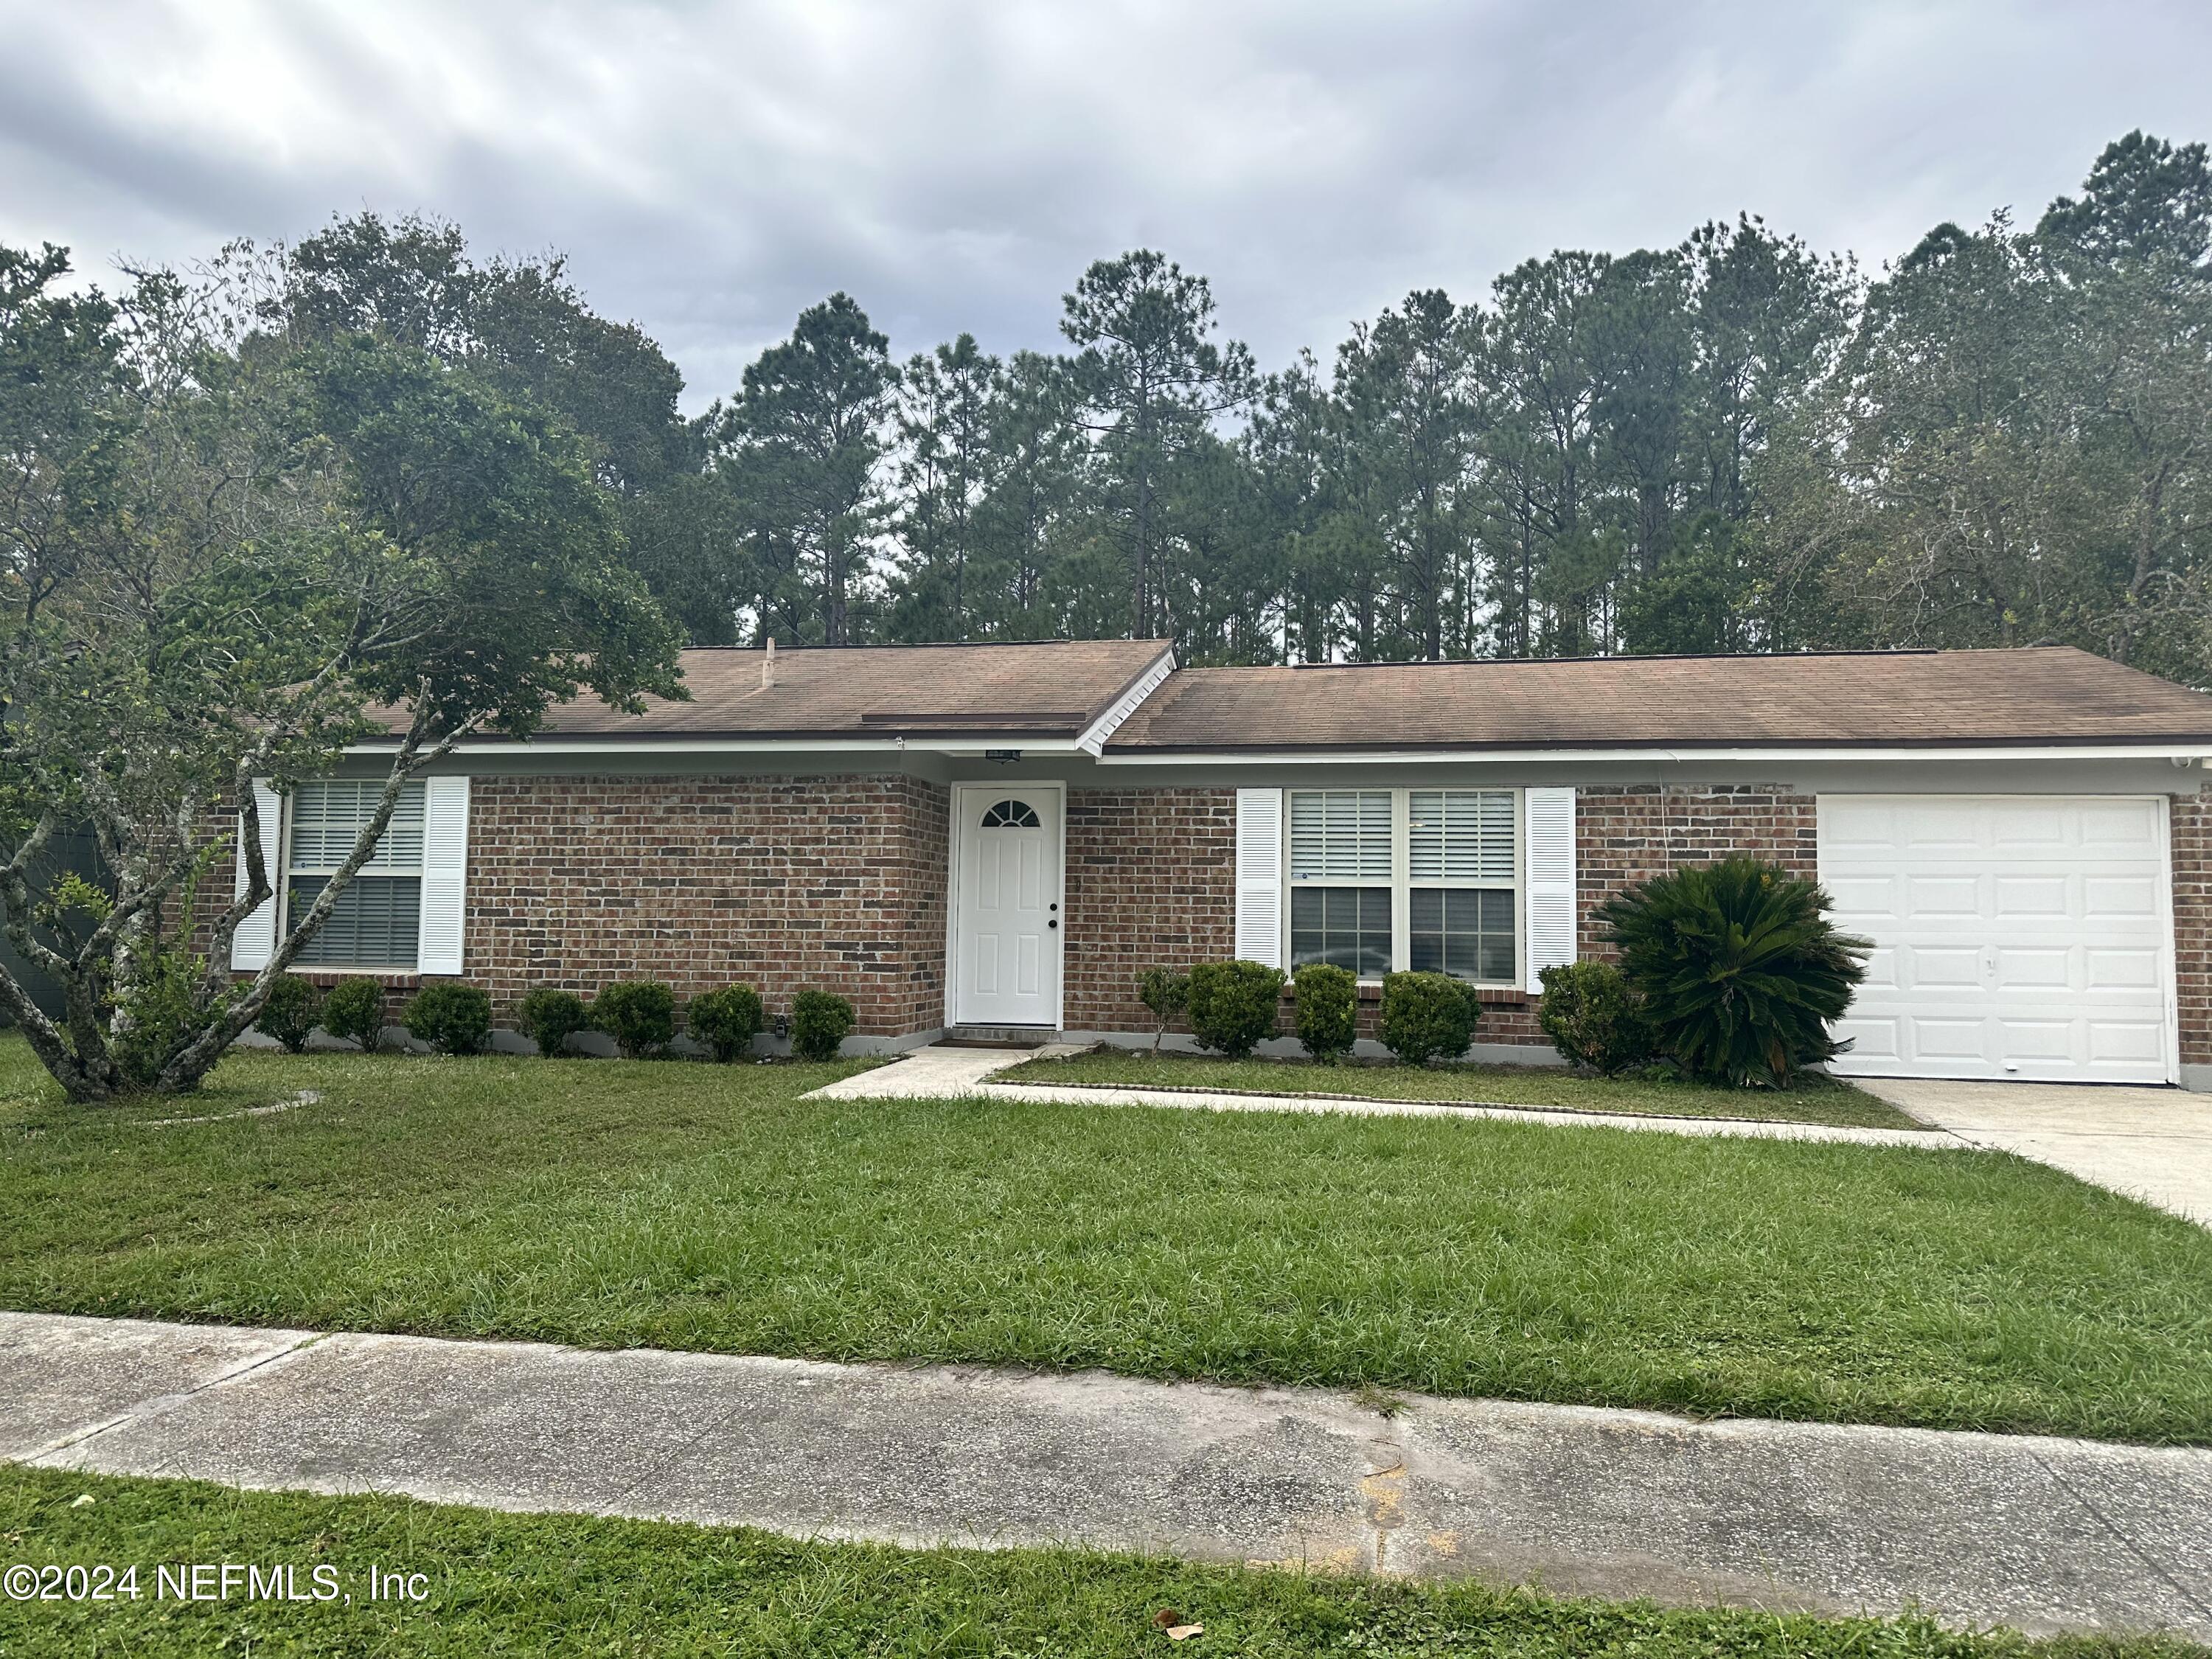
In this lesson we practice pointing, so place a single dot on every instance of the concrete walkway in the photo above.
(2044, 1535)
(938, 1072)
(2154, 1145)
(2151, 1144)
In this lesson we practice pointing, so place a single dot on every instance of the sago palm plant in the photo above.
(1739, 968)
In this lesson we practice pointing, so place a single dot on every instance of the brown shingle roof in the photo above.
(2049, 695)
(1054, 688)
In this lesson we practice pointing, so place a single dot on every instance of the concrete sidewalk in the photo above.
(2154, 1145)
(2046, 1534)
(939, 1072)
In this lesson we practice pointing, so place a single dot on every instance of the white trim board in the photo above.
(967, 748)
(1542, 758)
(1094, 740)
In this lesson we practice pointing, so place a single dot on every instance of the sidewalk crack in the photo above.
(2127, 1540)
(160, 1404)
(1383, 1487)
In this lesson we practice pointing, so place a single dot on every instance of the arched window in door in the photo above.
(1011, 815)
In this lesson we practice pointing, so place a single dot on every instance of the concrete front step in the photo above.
(997, 1037)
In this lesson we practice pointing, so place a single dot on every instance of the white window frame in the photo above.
(373, 867)
(1402, 883)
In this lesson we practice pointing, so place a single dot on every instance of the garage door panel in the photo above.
(2015, 936)
(2106, 897)
(2118, 826)
(2137, 1041)
(2033, 969)
(2023, 1039)
(1935, 1038)
(1875, 889)
(1870, 1039)
(1933, 827)
(1881, 969)
(1859, 820)
(2120, 969)
(2033, 897)
(1939, 896)
(2030, 833)
(1934, 969)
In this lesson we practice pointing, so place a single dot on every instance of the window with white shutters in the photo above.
(377, 920)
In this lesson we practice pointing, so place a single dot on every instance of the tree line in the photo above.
(1734, 444)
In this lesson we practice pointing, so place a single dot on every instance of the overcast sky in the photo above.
(710, 167)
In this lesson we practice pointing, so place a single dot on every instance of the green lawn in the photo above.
(567, 1585)
(688, 1205)
(1822, 1100)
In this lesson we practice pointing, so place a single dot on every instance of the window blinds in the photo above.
(1460, 836)
(327, 817)
(1340, 835)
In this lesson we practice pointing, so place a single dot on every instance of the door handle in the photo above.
(1054, 923)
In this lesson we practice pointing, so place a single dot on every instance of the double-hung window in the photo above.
(1342, 860)
(1384, 879)
(377, 920)
(1460, 878)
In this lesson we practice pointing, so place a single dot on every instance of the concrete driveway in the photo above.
(2151, 1144)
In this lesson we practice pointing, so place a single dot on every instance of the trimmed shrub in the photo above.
(548, 1016)
(289, 1014)
(453, 1018)
(726, 1020)
(354, 1010)
(1428, 1017)
(1739, 968)
(1166, 992)
(1594, 1019)
(1329, 1010)
(1234, 1004)
(640, 1014)
(819, 1022)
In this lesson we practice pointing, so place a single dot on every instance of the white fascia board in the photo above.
(1579, 757)
(1093, 740)
(736, 746)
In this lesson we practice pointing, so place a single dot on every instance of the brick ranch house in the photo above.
(995, 837)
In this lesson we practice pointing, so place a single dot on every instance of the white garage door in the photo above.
(2015, 936)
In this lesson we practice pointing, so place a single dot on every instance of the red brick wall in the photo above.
(833, 883)
(2192, 825)
(1625, 836)
(1151, 881)
(840, 882)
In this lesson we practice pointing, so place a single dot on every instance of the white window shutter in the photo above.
(445, 875)
(1550, 818)
(1260, 876)
(255, 940)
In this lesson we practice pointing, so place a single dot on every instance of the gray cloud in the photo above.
(954, 163)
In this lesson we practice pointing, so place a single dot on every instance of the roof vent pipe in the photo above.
(768, 664)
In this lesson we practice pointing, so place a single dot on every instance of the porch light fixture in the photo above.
(1004, 757)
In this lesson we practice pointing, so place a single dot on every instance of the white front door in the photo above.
(2015, 936)
(1006, 917)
